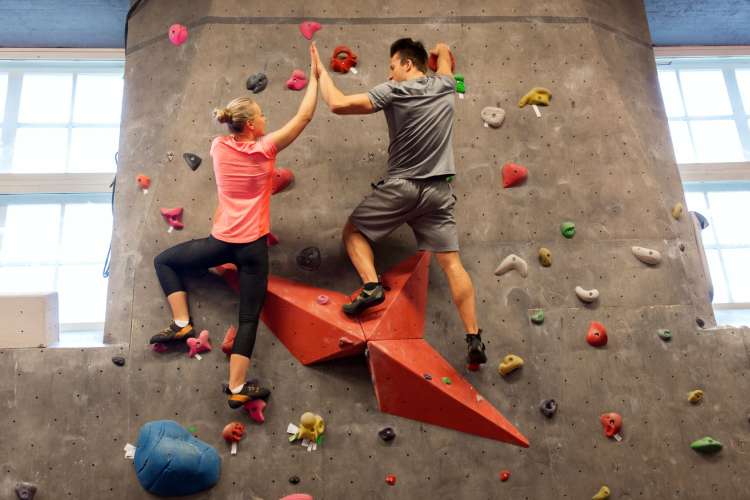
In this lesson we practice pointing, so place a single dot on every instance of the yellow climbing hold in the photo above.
(602, 494)
(509, 364)
(538, 95)
(677, 210)
(545, 257)
(695, 396)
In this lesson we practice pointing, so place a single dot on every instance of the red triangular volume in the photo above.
(402, 314)
(398, 369)
(312, 332)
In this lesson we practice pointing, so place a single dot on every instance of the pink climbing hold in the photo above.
(513, 174)
(272, 240)
(160, 348)
(308, 28)
(282, 177)
(255, 409)
(199, 345)
(298, 496)
(178, 34)
(173, 216)
(323, 299)
(297, 81)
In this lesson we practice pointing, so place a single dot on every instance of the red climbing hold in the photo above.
(144, 181)
(233, 432)
(308, 28)
(228, 343)
(514, 174)
(390, 479)
(504, 475)
(229, 273)
(272, 240)
(297, 81)
(343, 59)
(597, 334)
(282, 177)
(432, 62)
(178, 34)
(612, 423)
(255, 409)
(173, 216)
(472, 367)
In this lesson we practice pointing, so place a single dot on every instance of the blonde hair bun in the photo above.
(223, 115)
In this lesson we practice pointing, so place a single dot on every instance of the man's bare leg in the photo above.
(360, 253)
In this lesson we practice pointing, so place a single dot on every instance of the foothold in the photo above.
(612, 423)
(682, 247)
(602, 494)
(446, 380)
(228, 343)
(297, 496)
(281, 179)
(597, 334)
(700, 322)
(493, 116)
(472, 367)
(664, 334)
(537, 316)
(513, 174)
(343, 59)
(233, 432)
(230, 275)
(178, 34)
(706, 445)
(192, 429)
(432, 61)
(323, 299)
(294, 480)
(545, 257)
(646, 255)
(118, 360)
(427, 376)
(144, 181)
(677, 210)
(272, 240)
(538, 96)
(309, 259)
(548, 407)
(257, 83)
(345, 342)
(387, 434)
(308, 28)
(199, 344)
(460, 84)
(170, 155)
(504, 475)
(587, 295)
(159, 347)
(311, 426)
(173, 216)
(255, 410)
(568, 229)
(193, 160)
(509, 364)
(511, 262)
(390, 479)
(25, 491)
(695, 396)
(297, 81)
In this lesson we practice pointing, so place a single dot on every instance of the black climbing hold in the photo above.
(309, 259)
(682, 247)
(257, 82)
(193, 161)
(548, 407)
(294, 480)
(118, 360)
(387, 434)
(700, 322)
(25, 491)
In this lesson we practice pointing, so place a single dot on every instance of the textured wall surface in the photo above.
(599, 155)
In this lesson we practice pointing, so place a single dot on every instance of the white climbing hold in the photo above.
(647, 255)
(587, 295)
(511, 262)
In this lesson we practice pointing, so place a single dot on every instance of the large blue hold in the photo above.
(169, 461)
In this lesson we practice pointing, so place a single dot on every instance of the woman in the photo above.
(243, 166)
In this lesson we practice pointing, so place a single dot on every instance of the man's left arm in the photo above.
(355, 104)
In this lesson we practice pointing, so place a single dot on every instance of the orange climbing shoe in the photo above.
(371, 295)
(173, 333)
(250, 390)
(475, 347)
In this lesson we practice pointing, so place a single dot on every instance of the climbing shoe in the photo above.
(475, 349)
(250, 390)
(372, 294)
(173, 333)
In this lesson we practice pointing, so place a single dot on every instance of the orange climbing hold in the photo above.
(229, 337)
(514, 174)
(343, 59)
(597, 334)
(144, 181)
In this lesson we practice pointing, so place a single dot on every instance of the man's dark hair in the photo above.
(411, 50)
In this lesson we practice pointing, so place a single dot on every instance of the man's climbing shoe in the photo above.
(475, 349)
(371, 295)
(173, 333)
(251, 391)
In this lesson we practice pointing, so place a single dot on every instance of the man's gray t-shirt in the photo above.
(419, 113)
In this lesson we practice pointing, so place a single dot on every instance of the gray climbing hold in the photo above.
(493, 116)
(664, 334)
(548, 407)
(647, 255)
(511, 262)
(25, 491)
(587, 295)
(257, 83)
(309, 259)
(193, 160)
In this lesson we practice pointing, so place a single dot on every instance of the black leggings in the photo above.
(251, 260)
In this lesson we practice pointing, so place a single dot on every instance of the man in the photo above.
(417, 191)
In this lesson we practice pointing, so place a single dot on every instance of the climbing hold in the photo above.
(568, 229)
(602, 494)
(343, 59)
(272, 240)
(537, 316)
(695, 396)
(345, 342)
(297, 81)
(173, 216)
(311, 426)
(460, 84)
(612, 423)
(308, 28)
(25, 491)
(192, 429)
(587, 295)
(193, 160)
(509, 364)
(294, 480)
(390, 479)
(257, 83)
(700, 322)
(427, 376)
(199, 345)
(472, 367)
(548, 407)
(233, 432)
(706, 445)
(159, 347)
(387, 434)
(677, 210)
(309, 259)
(144, 181)
(178, 34)
(504, 475)
(433, 59)
(323, 299)
(538, 96)
(664, 334)
(118, 360)
(255, 409)
(597, 334)
(281, 179)
(545, 257)
(511, 262)
(446, 380)
(646, 255)
(492, 116)
(513, 174)
(297, 496)
(228, 343)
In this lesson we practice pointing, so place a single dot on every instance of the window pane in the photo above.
(696, 200)
(717, 141)
(3, 94)
(98, 99)
(45, 98)
(729, 210)
(27, 279)
(40, 150)
(743, 81)
(87, 229)
(93, 149)
(670, 93)
(738, 273)
(705, 92)
(683, 146)
(83, 294)
(31, 234)
(717, 276)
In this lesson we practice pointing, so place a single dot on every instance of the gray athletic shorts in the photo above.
(425, 204)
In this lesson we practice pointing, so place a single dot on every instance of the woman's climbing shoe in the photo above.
(250, 390)
(173, 333)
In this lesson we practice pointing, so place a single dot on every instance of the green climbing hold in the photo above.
(537, 316)
(192, 429)
(664, 334)
(706, 445)
(447, 380)
(460, 85)
(449, 178)
(568, 229)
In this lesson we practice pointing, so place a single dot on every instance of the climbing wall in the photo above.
(599, 156)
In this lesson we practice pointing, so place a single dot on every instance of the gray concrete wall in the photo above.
(600, 155)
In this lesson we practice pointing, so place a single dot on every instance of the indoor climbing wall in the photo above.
(598, 156)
